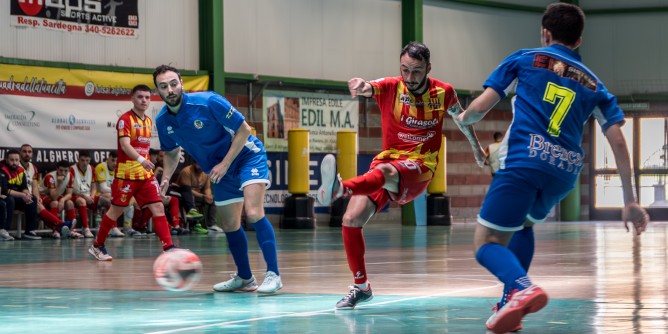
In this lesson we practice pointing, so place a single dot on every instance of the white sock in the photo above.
(364, 286)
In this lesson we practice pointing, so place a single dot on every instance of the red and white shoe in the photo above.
(496, 308)
(331, 186)
(520, 303)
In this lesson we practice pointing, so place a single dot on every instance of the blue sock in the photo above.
(503, 264)
(522, 245)
(264, 233)
(238, 245)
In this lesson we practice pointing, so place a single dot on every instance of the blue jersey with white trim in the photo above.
(204, 128)
(555, 96)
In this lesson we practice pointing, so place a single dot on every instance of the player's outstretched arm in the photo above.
(632, 212)
(469, 132)
(479, 107)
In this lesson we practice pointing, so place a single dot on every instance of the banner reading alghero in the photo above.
(104, 17)
(322, 114)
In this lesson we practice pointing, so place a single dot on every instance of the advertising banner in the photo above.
(60, 111)
(104, 17)
(322, 114)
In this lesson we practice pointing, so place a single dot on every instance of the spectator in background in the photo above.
(4, 225)
(56, 193)
(195, 186)
(32, 179)
(492, 151)
(84, 188)
(18, 195)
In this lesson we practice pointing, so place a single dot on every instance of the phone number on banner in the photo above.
(111, 31)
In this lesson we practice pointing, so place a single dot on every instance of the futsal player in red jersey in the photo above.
(134, 174)
(412, 108)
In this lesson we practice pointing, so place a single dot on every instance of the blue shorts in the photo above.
(247, 169)
(521, 194)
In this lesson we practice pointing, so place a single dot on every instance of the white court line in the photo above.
(311, 313)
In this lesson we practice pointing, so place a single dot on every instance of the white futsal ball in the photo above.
(177, 269)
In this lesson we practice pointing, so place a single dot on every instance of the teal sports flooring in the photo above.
(425, 279)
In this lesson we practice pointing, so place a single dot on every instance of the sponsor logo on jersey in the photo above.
(413, 138)
(199, 124)
(556, 155)
(406, 99)
(415, 123)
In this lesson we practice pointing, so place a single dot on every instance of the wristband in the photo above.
(140, 159)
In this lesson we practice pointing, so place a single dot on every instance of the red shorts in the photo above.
(46, 199)
(90, 206)
(144, 191)
(414, 177)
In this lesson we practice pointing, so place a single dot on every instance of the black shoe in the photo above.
(353, 297)
(32, 235)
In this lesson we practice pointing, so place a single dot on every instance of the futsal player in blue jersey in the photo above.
(218, 138)
(541, 155)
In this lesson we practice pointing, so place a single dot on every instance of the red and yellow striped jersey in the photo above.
(412, 125)
(139, 131)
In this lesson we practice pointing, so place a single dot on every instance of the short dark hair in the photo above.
(140, 88)
(498, 135)
(63, 164)
(13, 151)
(565, 21)
(162, 69)
(84, 153)
(113, 154)
(416, 50)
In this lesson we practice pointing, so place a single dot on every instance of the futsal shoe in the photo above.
(271, 283)
(355, 296)
(237, 283)
(100, 253)
(520, 303)
(116, 233)
(496, 308)
(331, 186)
(87, 233)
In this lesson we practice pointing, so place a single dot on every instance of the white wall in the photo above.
(628, 52)
(468, 42)
(314, 39)
(168, 33)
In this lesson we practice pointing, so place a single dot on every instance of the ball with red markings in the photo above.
(177, 269)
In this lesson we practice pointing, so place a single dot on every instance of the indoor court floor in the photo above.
(425, 280)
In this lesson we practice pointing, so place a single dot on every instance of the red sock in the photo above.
(353, 242)
(174, 211)
(83, 215)
(145, 216)
(54, 211)
(161, 227)
(50, 220)
(70, 214)
(365, 184)
(105, 226)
